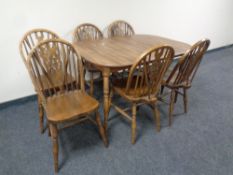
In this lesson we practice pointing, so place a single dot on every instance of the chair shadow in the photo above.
(163, 108)
(144, 116)
(77, 138)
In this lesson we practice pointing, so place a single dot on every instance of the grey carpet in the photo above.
(199, 142)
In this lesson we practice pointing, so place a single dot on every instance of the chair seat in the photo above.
(171, 83)
(119, 86)
(180, 85)
(69, 106)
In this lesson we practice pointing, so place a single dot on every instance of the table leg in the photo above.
(106, 74)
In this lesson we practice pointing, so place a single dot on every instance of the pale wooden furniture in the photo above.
(32, 38)
(120, 28)
(64, 102)
(181, 77)
(113, 54)
(28, 42)
(84, 32)
(142, 84)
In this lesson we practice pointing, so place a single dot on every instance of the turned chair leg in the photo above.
(171, 107)
(185, 98)
(110, 100)
(176, 96)
(157, 118)
(161, 89)
(134, 125)
(92, 84)
(54, 136)
(41, 115)
(101, 130)
(49, 132)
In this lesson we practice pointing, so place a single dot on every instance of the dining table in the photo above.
(110, 55)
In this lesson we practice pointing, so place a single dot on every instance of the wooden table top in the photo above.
(119, 52)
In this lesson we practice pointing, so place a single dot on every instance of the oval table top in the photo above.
(118, 52)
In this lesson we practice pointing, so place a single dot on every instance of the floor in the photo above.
(199, 142)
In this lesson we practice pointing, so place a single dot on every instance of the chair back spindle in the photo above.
(146, 74)
(55, 64)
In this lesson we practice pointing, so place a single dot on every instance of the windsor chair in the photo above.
(88, 32)
(143, 83)
(181, 76)
(28, 42)
(68, 103)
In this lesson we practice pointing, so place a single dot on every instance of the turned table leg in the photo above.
(106, 74)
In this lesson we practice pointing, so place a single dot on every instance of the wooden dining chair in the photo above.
(84, 32)
(181, 76)
(28, 42)
(65, 104)
(142, 84)
(120, 28)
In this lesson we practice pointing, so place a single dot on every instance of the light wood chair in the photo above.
(181, 76)
(120, 28)
(84, 32)
(65, 103)
(28, 42)
(142, 83)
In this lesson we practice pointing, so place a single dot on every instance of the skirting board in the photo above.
(219, 48)
(18, 101)
(33, 97)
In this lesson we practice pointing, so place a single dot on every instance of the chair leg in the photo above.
(41, 115)
(54, 134)
(49, 132)
(134, 125)
(161, 89)
(110, 100)
(171, 107)
(185, 98)
(91, 84)
(176, 96)
(157, 118)
(101, 129)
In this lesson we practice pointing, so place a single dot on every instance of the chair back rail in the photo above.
(120, 28)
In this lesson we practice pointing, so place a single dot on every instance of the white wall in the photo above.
(185, 20)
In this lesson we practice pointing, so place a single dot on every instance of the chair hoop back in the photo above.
(120, 28)
(146, 74)
(32, 38)
(87, 31)
(55, 67)
(185, 70)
